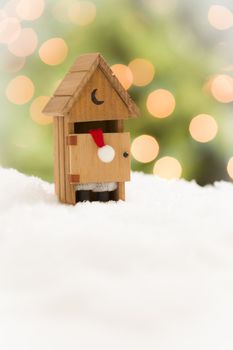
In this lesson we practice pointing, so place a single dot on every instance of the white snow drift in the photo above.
(153, 273)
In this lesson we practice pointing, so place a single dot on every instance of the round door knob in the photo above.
(125, 154)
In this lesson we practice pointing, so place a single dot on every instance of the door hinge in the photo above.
(71, 140)
(73, 179)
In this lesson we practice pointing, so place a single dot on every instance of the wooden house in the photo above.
(89, 97)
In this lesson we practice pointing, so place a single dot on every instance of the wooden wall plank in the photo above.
(121, 191)
(85, 109)
(69, 188)
(119, 125)
(62, 194)
(120, 185)
(56, 155)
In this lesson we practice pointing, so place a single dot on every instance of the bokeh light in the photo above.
(168, 168)
(9, 29)
(25, 43)
(10, 8)
(161, 103)
(220, 17)
(123, 74)
(10, 63)
(143, 71)
(30, 9)
(53, 51)
(59, 10)
(145, 148)
(20, 90)
(82, 12)
(203, 128)
(222, 88)
(230, 167)
(36, 111)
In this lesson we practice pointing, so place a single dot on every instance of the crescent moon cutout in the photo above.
(95, 99)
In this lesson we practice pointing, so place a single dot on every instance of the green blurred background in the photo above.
(174, 55)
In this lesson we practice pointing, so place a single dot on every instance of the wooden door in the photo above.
(86, 167)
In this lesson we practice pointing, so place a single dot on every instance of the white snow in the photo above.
(154, 272)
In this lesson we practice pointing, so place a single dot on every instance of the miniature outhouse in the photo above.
(90, 97)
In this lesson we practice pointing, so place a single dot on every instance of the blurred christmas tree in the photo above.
(158, 52)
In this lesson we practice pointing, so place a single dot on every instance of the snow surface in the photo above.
(155, 272)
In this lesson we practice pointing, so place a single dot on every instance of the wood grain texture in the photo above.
(113, 107)
(85, 62)
(75, 81)
(56, 105)
(56, 155)
(72, 100)
(133, 110)
(121, 191)
(69, 84)
(62, 189)
(84, 160)
(119, 125)
(69, 188)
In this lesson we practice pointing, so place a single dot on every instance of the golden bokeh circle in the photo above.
(143, 71)
(230, 167)
(222, 88)
(36, 111)
(203, 128)
(123, 74)
(20, 90)
(168, 168)
(145, 148)
(220, 17)
(30, 10)
(161, 103)
(53, 51)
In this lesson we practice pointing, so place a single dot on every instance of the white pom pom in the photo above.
(106, 153)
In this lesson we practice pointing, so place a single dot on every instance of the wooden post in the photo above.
(70, 189)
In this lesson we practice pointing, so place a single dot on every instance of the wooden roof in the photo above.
(71, 86)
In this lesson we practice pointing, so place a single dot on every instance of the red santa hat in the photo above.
(106, 153)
